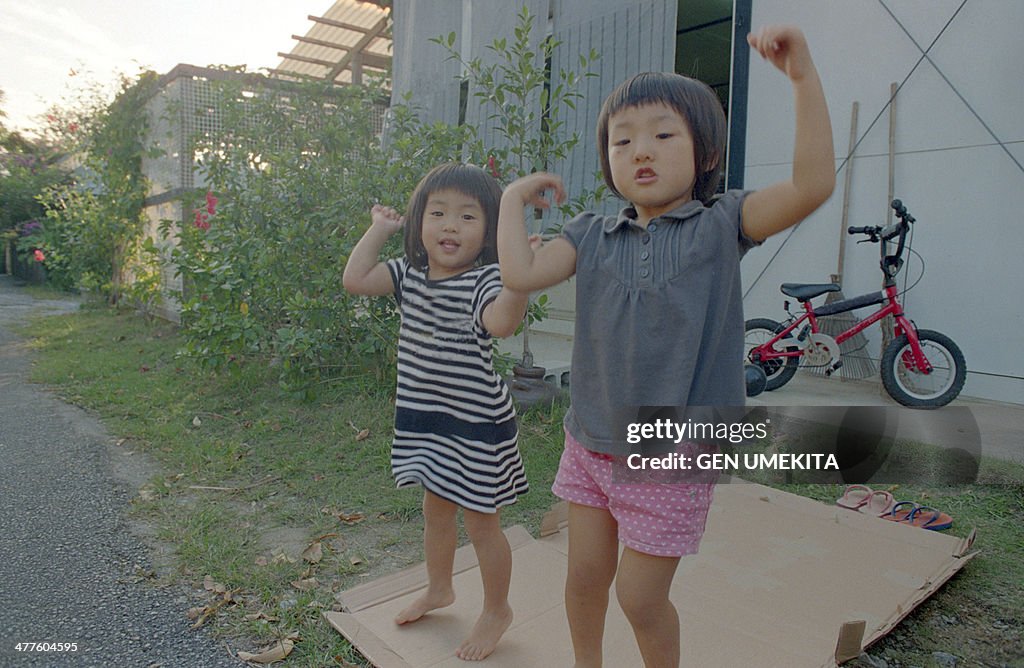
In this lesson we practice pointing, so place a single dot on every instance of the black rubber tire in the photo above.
(777, 372)
(944, 356)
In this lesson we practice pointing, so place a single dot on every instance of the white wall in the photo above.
(966, 191)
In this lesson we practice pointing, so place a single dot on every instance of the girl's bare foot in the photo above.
(486, 633)
(424, 604)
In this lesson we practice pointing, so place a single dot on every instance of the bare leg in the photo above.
(495, 558)
(593, 555)
(440, 535)
(642, 588)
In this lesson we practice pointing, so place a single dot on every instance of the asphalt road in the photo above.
(72, 573)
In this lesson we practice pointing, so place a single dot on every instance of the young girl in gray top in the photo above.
(659, 320)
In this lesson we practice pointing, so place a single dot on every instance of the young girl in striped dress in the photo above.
(455, 427)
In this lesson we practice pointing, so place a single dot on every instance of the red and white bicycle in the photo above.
(920, 367)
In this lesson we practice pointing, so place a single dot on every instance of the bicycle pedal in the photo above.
(834, 367)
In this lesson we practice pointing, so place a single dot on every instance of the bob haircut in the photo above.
(468, 180)
(691, 99)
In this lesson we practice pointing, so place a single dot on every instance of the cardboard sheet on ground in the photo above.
(780, 580)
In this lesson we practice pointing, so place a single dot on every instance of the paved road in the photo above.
(69, 563)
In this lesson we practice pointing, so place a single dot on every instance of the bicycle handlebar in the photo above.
(891, 263)
(877, 232)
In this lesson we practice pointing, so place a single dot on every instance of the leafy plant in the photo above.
(291, 178)
(94, 223)
(525, 102)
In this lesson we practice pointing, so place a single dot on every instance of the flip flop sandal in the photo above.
(901, 511)
(927, 517)
(854, 497)
(879, 503)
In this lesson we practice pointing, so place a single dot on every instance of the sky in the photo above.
(42, 43)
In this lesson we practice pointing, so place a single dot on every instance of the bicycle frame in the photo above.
(889, 296)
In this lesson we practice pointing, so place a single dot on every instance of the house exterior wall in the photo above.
(420, 69)
(958, 147)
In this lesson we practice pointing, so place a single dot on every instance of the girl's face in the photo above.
(650, 151)
(453, 232)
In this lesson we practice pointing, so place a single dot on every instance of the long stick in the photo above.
(887, 322)
(893, 87)
(838, 277)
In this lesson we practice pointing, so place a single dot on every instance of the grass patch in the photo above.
(251, 478)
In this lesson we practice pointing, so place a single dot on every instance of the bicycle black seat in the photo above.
(805, 291)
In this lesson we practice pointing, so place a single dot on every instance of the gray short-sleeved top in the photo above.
(659, 316)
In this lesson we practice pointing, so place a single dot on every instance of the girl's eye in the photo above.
(436, 213)
(664, 135)
(468, 216)
(621, 142)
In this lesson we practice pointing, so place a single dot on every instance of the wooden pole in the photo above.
(887, 322)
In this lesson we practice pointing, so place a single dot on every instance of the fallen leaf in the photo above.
(314, 553)
(350, 518)
(306, 585)
(209, 584)
(260, 616)
(194, 613)
(262, 561)
(356, 561)
(361, 436)
(196, 422)
(276, 652)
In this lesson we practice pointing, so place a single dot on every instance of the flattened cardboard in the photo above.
(780, 580)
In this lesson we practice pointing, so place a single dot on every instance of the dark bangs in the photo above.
(694, 101)
(468, 180)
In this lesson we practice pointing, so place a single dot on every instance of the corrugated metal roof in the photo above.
(350, 39)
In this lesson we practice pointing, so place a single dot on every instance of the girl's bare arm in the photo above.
(524, 269)
(364, 273)
(502, 316)
(773, 209)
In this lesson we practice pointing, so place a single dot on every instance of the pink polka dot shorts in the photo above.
(660, 519)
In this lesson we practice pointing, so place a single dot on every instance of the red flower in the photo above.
(492, 167)
(39, 255)
(211, 203)
(201, 220)
(73, 128)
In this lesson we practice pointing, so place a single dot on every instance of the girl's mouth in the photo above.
(449, 245)
(645, 175)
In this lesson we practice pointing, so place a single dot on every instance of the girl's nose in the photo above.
(641, 152)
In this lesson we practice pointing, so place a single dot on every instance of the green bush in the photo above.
(92, 234)
(291, 181)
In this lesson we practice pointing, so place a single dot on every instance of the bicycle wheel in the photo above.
(907, 385)
(758, 331)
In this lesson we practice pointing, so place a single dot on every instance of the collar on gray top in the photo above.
(627, 215)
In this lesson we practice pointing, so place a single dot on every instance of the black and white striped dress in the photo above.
(455, 424)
